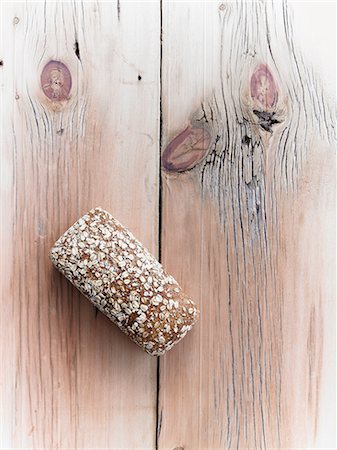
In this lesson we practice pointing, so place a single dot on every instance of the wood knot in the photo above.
(178, 448)
(56, 81)
(186, 150)
(263, 89)
(265, 101)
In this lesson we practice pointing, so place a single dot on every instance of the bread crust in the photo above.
(124, 281)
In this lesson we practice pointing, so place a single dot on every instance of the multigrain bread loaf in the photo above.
(119, 276)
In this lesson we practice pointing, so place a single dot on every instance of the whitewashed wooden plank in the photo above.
(249, 231)
(70, 378)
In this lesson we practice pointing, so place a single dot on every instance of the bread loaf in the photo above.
(124, 281)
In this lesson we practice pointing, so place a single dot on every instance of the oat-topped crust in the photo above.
(116, 273)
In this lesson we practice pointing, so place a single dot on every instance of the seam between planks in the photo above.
(158, 422)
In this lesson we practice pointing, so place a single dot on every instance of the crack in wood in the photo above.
(118, 10)
(266, 119)
(77, 50)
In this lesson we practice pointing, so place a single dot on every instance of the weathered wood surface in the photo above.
(246, 213)
(70, 379)
(248, 227)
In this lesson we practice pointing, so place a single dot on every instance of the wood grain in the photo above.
(249, 229)
(69, 378)
(246, 216)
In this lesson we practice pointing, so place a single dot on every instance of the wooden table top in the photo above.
(207, 129)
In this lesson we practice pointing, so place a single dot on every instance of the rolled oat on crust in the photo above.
(119, 276)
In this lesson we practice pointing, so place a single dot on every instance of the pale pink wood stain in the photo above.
(56, 81)
(263, 88)
(186, 150)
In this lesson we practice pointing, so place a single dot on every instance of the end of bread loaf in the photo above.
(124, 281)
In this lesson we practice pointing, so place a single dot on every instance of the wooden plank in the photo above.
(248, 227)
(70, 379)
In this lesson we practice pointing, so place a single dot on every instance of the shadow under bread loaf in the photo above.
(124, 281)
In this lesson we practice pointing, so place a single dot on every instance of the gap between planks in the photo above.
(160, 205)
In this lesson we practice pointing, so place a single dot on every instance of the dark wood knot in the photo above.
(186, 150)
(263, 89)
(56, 81)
